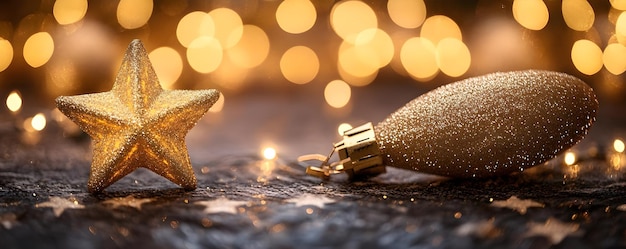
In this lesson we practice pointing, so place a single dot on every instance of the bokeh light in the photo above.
(69, 11)
(587, 57)
(531, 14)
(349, 18)
(296, 16)
(419, 58)
(618, 4)
(378, 42)
(228, 26)
(570, 158)
(38, 122)
(132, 14)
(204, 54)
(252, 49)
(453, 57)
(14, 101)
(620, 28)
(299, 64)
(167, 64)
(614, 58)
(618, 145)
(61, 76)
(269, 153)
(439, 27)
(356, 60)
(578, 14)
(6, 50)
(38, 49)
(337, 93)
(408, 14)
(194, 25)
(357, 80)
(343, 127)
(219, 104)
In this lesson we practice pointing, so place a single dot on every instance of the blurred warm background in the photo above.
(327, 48)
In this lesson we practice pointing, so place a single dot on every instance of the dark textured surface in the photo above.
(399, 209)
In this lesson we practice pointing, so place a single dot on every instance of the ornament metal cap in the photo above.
(359, 155)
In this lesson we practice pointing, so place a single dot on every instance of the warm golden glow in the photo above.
(228, 26)
(620, 28)
(343, 127)
(437, 28)
(61, 76)
(299, 64)
(618, 145)
(570, 158)
(194, 25)
(531, 14)
(614, 58)
(587, 57)
(618, 4)
(38, 49)
(337, 93)
(408, 14)
(349, 18)
(167, 64)
(38, 122)
(14, 101)
(453, 57)
(356, 60)
(296, 16)
(132, 14)
(6, 50)
(69, 11)
(252, 49)
(356, 80)
(378, 43)
(219, 104)
(269, 153)
(204, 54)
(578, 14)
(419, 58)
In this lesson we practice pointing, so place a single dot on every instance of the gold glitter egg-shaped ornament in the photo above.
(483, 126)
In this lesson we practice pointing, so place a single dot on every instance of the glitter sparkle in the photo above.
(138, 124)
(490, 125)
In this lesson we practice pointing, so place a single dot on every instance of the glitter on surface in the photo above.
(490, 125)
(138, 124)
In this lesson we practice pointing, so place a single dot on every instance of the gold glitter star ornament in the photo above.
(138, 123)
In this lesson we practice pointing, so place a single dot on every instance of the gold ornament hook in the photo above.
(359, 155)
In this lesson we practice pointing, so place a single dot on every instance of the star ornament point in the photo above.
(138, 124)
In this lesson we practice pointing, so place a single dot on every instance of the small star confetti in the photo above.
(59, 205)
(517, 204)
(221, 205)
(8, 220)
(138, 124)
(311, 200)
(128, 201)
(552, 229)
